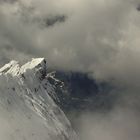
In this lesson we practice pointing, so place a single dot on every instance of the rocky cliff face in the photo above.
(27, 109)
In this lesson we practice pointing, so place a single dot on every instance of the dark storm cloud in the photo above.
(51, 21)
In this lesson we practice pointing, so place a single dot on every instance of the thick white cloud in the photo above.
(100, 37)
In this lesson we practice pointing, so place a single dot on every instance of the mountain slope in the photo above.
(27, 110)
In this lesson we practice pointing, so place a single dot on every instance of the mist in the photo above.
(121, 122)
(100, 38)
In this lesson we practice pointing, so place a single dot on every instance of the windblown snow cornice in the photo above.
(26, 104)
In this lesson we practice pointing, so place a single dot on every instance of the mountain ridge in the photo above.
(26, 100)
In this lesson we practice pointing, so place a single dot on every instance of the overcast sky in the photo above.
(99, 37)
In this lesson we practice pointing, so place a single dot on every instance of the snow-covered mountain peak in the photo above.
(35, 69)
(35, 63)
(27, 108)
(12, 67)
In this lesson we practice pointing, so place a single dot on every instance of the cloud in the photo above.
(121, 122)
(101, 38)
